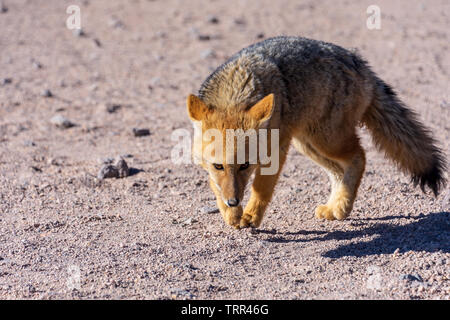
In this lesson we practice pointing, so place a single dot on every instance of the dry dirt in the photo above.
(66, 234)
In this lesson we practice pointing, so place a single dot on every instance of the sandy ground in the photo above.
(66, 234)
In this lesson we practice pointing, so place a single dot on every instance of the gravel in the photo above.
(152, 235)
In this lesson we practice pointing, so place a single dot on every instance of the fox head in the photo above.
(225, 143)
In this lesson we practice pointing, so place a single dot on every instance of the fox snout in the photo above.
(229, 184)
(232, 190)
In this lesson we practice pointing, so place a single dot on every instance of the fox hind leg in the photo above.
(345, 175)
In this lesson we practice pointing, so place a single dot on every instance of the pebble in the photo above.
(3, 8)
(188, 221)
(208, 53)
(119, 170)
(155, 81)
(6, 81)
(116, 23)
(29, 143)
(446, 202)
(396, 252)
(204, 37)
(108, 171)
(46, 93)
(37, 65)
(410, 277)
(208, 210)
(112, 107)
(184, 293)
(97, 42)
(213, 20)
(122, 168)
(78, 32)
(240, 21)
(61, 122)
(141, 132)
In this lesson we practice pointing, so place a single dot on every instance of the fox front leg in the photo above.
(231, 215)
(262, 191)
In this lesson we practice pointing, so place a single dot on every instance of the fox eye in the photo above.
(244, 166)
(218, 166)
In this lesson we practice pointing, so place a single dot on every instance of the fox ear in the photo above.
(197, 109)
(263, 109)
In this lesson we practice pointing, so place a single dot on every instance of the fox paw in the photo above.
(248, 220)
(232, 216)
(331, 212)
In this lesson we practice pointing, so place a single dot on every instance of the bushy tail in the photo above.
(404, 139)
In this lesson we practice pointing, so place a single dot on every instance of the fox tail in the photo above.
(404, 139)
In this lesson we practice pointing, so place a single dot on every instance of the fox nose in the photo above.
(233, 202)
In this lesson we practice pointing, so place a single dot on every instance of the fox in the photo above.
(316, 95)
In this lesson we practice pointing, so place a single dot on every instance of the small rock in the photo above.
(37, 64)
(208, 53)
(108, 171)
(119, 170)
(97, 42)
(113, 107)
(61, 122)
(3, 8)
(209, 210)
(29, 143)
(260, 36)
(188, 221)
(213, 20)
(446, 202)
(183, 293)
(155, 81)
(396, 252)
(31, 289)
(54, 162)
(36, 169)
(6, 81)
(240, 21)
(204, 37)
(141, 132)
(46, 93)
(122, 168)
(161, 34)
(411, 277)
(116, 23)
(79, 32)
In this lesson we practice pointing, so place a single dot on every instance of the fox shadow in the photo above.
(428, 233)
